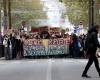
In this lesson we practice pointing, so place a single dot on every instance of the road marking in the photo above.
(49, 68)
(17, 61)
(69, 61)
(32, 61)
(4, 62)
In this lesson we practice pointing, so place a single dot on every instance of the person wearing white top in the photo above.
(6, 52)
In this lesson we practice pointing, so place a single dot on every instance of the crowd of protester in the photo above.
(13, 43)
(13, 47)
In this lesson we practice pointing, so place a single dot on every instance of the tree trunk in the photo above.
(5, 14)
(9, 13)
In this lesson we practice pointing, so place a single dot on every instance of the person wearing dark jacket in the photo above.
(18, 53)
(12, 46)
(45, 35)
(21, 47)
(75, 46)
(91, 45)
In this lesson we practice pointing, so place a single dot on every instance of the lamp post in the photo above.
(91, 13)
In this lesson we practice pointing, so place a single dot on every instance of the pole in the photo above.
(0, 19)
(91, 13)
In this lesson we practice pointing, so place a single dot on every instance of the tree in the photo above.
(77, 11)
(26, 10)
(96, 12)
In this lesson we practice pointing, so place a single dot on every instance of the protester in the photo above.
(18, 43)
(45, 35)
(21, 47)
(71, 47)
(12, 46)
(76, 46)
(82, 41)
(6, 52)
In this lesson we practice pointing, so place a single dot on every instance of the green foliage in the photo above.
(77, 11)
(18, 18)
(96, 12)
(27, 10)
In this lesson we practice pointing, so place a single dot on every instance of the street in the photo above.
(45, 69)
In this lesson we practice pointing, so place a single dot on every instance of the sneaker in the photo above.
(86, 76)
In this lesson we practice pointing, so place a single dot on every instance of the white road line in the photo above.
(4, 62)
(16, 62)
(83, 61)
(32, 61)
(69, 61)
(49, 68)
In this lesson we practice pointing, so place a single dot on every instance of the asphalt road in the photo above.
(45, 69)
